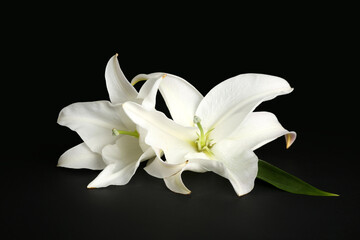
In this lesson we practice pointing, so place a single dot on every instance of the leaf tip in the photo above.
(333, 195)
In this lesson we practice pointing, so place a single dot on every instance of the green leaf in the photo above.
(287, 182)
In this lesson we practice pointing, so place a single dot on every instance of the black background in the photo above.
(59, 58)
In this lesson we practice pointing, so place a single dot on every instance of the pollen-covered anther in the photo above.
(196, 120)
(115, 132)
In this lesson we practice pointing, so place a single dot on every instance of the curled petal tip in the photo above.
(139, 78)
(187, 193)
(59, 165)
(116, 54)
(90, 187)
(290, 138)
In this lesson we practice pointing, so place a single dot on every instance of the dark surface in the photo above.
(66, 64)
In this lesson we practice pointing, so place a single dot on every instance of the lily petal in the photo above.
(162, 133)
(149, 91)
(143, 77)
(160, 169)
(125, 150)
(228, 103)
(181, 104)
(94, 122)
(242, 174)
(175, 183)
(81, 156)
(113, 175)
(119, 88)
(142, 134)
(122, 159)
(181, 98)
(239, 167)
(147, 155)
(260, 128)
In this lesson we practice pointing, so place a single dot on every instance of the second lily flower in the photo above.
(112, 142)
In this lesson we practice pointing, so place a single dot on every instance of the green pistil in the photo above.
(117, 132)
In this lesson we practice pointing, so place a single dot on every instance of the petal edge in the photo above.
(79, 157)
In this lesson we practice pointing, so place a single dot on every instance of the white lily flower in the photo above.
(111, 140)
(218, 132)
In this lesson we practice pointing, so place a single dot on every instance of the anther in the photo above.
(197, 120)
(115, 132)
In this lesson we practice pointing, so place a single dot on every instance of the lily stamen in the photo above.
(203, 142)
(117, 132)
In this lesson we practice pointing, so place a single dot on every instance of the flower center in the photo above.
(117, 132)
(203, 142)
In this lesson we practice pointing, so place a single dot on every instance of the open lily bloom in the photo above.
(218, 132)
(111, 140)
